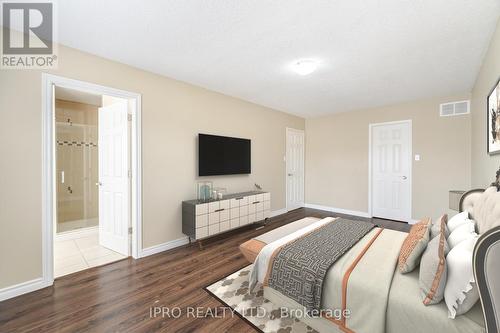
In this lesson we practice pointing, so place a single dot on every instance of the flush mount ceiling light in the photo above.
(305, 66)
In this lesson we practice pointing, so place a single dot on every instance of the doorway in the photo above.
(390, 165)
(294, 168)
(92, 176)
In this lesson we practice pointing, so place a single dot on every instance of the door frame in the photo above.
(49, 164)
(410, 165)
(290, 129)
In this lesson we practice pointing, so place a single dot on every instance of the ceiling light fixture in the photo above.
(304, 67)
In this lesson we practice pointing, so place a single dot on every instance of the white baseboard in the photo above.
(278, 212)
(164, 247)
(338, 210)
(23, 288)
(78, 233)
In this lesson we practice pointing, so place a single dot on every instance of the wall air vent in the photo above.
(454, 108)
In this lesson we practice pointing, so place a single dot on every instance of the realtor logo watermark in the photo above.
(28, 35)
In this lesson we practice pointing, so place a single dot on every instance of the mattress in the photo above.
(251, 248)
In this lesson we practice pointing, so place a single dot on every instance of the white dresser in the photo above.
(204, 219)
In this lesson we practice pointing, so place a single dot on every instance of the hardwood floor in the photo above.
(118, 297)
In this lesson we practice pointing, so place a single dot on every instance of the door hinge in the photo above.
(129, 117)
(130, 230)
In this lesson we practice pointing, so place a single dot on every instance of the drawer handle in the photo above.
(218, 210)
(255, 202)
(238, 198)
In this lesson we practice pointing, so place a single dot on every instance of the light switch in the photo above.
(417, 157)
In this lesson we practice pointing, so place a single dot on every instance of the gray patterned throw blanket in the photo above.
(299, 268)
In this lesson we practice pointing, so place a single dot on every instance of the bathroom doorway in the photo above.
(92, 183)
(92, 211)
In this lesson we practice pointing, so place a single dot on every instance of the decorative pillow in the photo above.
(457, 220)
(433, 270)
(439, 226)
(461, 233)
(461, 293)
(414, 245)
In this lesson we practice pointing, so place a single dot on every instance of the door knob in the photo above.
(98, 184)
(405, 178)
(290, 174)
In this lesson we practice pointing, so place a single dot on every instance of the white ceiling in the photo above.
(372, 53)
(77, 96)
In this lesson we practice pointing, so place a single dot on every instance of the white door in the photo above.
(391, 170)
(113, 178)
(294, 168)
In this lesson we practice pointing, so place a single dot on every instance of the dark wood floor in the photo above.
(117, 297)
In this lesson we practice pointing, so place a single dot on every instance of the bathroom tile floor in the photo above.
(77, 254)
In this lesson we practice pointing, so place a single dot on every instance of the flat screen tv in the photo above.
(222, 155)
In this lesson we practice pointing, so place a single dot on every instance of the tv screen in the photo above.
(221, 155)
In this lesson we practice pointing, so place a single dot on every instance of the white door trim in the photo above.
(288, 129)
(48, 165)
(410, 163)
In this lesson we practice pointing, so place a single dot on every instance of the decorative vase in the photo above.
(204, 190)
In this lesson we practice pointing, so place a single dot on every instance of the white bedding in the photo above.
(377, 295)
(371, 277)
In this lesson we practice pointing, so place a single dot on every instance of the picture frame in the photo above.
(493, 119)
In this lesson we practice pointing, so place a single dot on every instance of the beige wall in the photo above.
(173, 114)
(483, 165)
(337, 156)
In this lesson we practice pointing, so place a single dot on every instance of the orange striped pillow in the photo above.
(414, 245)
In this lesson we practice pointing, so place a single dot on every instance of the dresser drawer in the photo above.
(224, 215)
(267, 213)
(244, 201)
(251, 218)
(259, 216)
(251, 199)
(235, 212)
(224, 226)
(213, 229)
(267, 196)
(234, 203)
(213, 206)
(267, 205)
(259, 207)
(224, 204)
(259, 197)
(201, 221)
(213, 218)
(201, 209)
(235, 223)
(244, 220)
(252, 208)
(201, 232)
(243, 210)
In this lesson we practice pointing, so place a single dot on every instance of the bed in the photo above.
(365, 280)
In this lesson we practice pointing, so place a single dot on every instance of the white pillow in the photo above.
(457, 221)
(460, 293)
(461, 233)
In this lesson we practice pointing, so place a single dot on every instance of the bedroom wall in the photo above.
(173, 114)
(483, 165)
(337, 156)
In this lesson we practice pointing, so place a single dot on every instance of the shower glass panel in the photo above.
(77, 166)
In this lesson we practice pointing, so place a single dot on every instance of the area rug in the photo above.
(263, 315)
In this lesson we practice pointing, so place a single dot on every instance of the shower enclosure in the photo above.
(76, 165)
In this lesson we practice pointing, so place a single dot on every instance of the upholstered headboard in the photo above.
(484, 208)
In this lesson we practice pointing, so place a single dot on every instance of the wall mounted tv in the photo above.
(222, 155)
